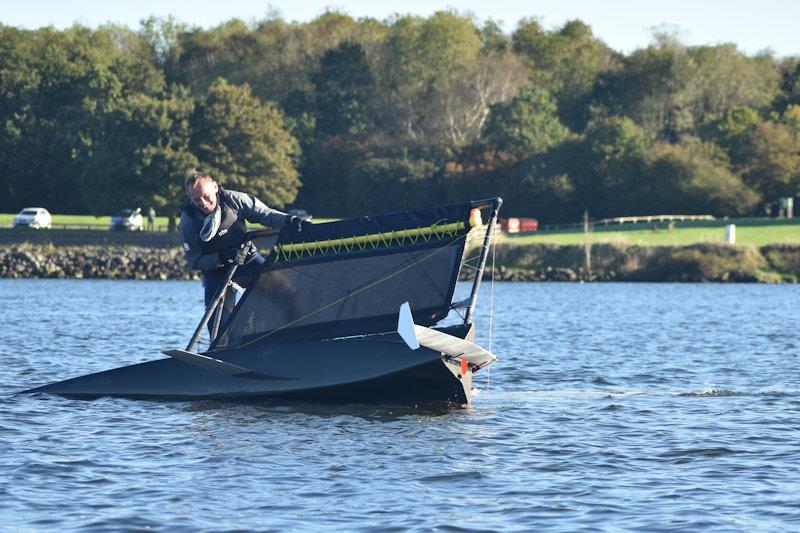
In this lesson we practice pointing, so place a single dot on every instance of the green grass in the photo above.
(69, 220)
(755, 231)
(83, 220)
(250, 225)
(103, 221)
(79, 220)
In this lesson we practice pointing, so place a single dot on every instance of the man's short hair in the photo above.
(194, 177)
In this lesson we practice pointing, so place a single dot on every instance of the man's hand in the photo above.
(296, 223)
(236, 255)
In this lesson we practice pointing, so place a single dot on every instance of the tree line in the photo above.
(346, 116)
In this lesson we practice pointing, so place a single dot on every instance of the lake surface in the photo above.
(612, 407)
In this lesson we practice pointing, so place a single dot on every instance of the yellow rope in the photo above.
(285, 252)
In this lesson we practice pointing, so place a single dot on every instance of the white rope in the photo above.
(491, 315)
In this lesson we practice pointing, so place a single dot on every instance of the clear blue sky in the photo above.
(625, 25)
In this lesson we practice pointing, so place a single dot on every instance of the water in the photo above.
(613, 407)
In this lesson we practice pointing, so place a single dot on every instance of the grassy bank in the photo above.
(775, 263)
(767, 250)
(749, 231)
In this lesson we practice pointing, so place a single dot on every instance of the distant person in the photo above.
(213, 230)
(151, 219)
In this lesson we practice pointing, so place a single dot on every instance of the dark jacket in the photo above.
(236, 208)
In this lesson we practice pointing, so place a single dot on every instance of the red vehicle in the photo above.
(519, 225)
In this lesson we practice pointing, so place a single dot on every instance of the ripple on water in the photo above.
(612, 406)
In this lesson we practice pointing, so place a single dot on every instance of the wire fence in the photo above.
(647, 219)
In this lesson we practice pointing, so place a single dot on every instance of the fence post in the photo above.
(587, 244)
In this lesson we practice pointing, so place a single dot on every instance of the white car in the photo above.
(33, 217)
(128, 220)
(302, 213)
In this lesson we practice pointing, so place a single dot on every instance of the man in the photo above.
(213, 231)
(151, 219)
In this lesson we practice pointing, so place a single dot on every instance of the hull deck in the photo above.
(376, 369)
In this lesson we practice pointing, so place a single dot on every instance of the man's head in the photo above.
(202, 191)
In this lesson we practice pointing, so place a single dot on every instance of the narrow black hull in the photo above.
(378, 369)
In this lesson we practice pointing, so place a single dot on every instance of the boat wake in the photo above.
(578, 394)
(568, 394)
(721, 392)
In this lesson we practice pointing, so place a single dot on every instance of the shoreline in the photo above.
(708, 262)
(702, 262)
(99, 262)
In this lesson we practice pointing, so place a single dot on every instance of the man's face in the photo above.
(203, 195)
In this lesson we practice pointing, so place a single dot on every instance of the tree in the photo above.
(790, 85)
(272, 56)
(648, 89)
(529, 187)
(479, 171)
(566, 62)
(772, 161)
(245, 144)
(162, 41)
(326, 164)
(393, 183)
(226, 51)
(343, 85)
(301, 119)
(606, 166)
(424, 60)
(495, 78)
(732, 132)
(720, 78)
(694, 178)
(765, 153)
(791, 117)
(672, 90)
(527, 125)
(56, 87)
(142, 155)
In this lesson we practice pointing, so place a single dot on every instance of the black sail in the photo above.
(350, 277)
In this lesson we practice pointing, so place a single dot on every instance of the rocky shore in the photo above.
(117, 262)
(540, 262)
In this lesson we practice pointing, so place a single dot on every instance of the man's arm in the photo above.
(254, 210)
(195, 257)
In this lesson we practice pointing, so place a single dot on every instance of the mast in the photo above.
(495, 204)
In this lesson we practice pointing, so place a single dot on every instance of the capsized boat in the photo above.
(345, 311)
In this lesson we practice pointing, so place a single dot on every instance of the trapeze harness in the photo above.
(232, 228)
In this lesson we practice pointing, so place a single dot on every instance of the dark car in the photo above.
(128, 220)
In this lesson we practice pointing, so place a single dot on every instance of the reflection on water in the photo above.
(636, 406)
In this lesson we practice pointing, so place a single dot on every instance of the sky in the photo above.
(625, 25)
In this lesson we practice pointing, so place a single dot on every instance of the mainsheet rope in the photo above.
(357, 291)
(491, 314)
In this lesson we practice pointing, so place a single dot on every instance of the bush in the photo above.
(784, 259)
(695, 263)
(701, 262)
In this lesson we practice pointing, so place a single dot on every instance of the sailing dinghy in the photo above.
(345, 311)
